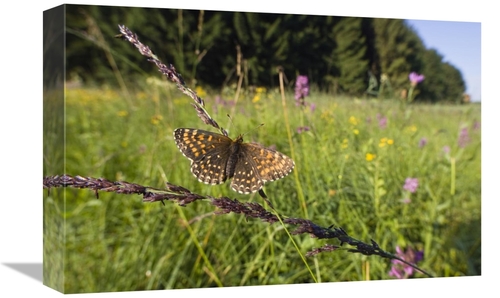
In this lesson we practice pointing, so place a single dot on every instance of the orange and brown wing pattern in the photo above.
(215, 158)
(257, 166)
(208, 152)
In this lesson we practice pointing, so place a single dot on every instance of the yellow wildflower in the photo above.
(260, 90)
(109, 94)
(328, 116)
(353, 120)
(382, 143)
(122, 113)
(370, 156)
(200, 92)
(325, 114)
(345, 144)
(156, 119)
(141, 95)
(180, 101)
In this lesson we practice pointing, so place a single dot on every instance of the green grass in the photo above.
(119, 243)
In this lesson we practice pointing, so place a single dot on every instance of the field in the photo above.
(352, 161)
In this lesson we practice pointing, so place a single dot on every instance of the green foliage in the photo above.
(350, 55)
(399, 50)
(443, 82)
(336, 53)
(351, 170)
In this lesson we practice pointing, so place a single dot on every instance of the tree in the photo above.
(399, 50)
(202, 45)
(350, 55)
(443, 82)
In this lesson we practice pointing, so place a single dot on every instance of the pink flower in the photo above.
(301, 89)
(312, 106)
(416, 78)
(422, 142)
(382, 121)
(401, 270)
(411, 184)
(406, 201)
(463, 138)
(302, 129)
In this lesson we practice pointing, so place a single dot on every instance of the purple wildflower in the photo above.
(401, 270)
(446, 149)
(422, 142)
(382, 122)
(463, 138)
(302, 129)
(411, 184)
(312, 106)
(219, 100)
(406, 201)
(301, 90)
(416, 78)
(477, 125)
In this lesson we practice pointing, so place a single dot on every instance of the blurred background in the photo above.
(340, 55)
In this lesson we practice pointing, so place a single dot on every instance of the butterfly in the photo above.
(216, 158)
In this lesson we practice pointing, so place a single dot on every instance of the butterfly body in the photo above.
(216, 158)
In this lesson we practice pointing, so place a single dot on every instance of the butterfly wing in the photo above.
(208, 152)
(257, 165)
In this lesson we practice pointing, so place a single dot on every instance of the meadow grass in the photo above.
(350, 165)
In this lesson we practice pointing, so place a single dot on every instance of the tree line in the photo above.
(342, 55)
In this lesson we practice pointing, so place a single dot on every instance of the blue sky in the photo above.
(460, 45)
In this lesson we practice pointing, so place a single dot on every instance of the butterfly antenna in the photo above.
(230, 119)
(259, 126)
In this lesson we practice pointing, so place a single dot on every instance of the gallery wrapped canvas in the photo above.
(194, 149)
